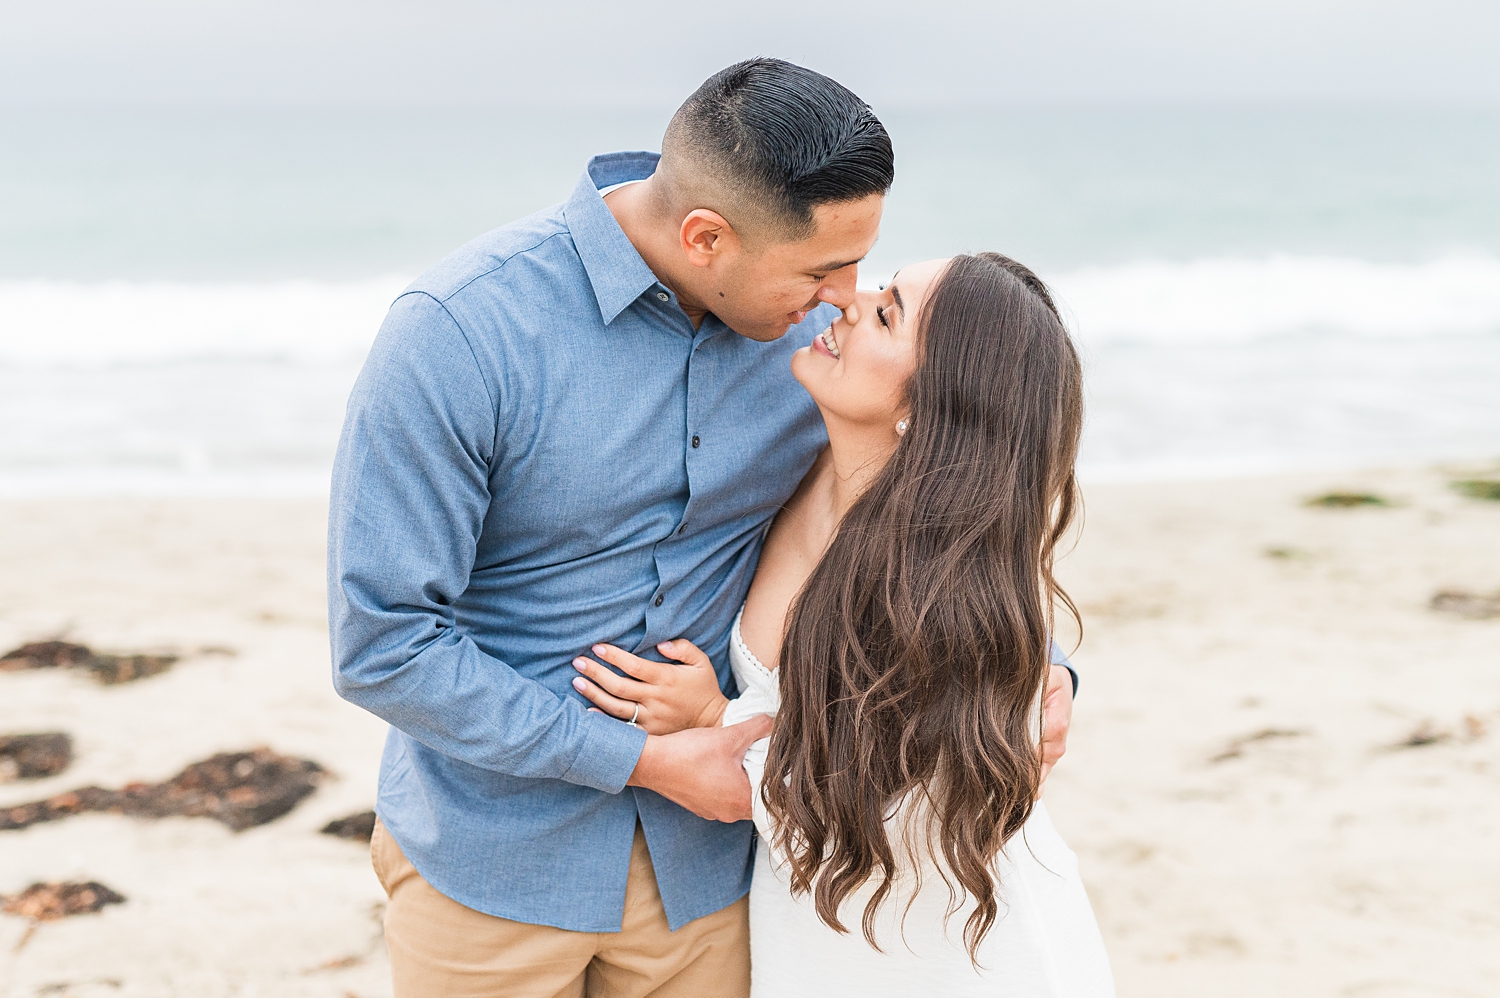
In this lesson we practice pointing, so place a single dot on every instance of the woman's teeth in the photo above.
(828, 342)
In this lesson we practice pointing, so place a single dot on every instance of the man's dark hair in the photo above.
(778, 140)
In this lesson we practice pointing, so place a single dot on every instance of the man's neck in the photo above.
(641, 215)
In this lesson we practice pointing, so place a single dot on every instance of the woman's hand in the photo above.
(671, 697)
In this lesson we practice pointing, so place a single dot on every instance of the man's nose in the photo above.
(838, 287)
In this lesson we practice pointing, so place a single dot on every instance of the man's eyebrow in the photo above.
(830, 267)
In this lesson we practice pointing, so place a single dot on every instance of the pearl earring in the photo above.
(901, 428)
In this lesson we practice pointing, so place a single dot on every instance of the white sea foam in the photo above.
(1219, 300)
(54, 322)
(1194, 369)
(1235, 299)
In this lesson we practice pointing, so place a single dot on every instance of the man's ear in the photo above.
(706, 236)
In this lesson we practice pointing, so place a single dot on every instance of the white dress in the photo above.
(1045, 943)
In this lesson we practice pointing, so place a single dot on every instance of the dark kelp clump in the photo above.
(1472, 606)
(112, 669)
(32, 757)
(49, 902)
(1479, 488)
(1426, 733)
(45, 655)
(240, 789)
(1236, 747)
(359, 827)
(1346, 500)
(107, 669)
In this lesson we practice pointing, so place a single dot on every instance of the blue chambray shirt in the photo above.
(541, 453)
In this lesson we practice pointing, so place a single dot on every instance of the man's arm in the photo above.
(409, 497)
(703, 769)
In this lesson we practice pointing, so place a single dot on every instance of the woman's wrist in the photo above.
(713, 714)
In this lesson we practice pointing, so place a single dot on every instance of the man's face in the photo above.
(761, 292)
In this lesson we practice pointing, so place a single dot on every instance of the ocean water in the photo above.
(186, 296)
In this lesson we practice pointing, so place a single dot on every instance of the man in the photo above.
(575, 429)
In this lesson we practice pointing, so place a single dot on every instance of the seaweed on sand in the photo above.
(45, 655)
(1236, 747)
(1470, 605)
(32, 757)
(49, 902)
(359, 827)
(1479, 488)
(240, 789)
(107, 669)
(1346, 500)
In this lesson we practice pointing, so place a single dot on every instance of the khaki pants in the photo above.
(441, 949)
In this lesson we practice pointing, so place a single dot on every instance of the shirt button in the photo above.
(663, 296)
(695, 440)
(659, 599)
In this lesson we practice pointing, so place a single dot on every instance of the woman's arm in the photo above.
(662, 697)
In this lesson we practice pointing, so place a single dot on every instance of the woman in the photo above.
(898, 627)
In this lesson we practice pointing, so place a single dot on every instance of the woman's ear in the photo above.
(706, 236)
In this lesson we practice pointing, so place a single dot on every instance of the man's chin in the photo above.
(765, 334)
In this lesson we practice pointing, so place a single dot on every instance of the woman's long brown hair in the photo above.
(915, 653)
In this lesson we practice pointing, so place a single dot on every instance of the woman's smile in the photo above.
(825, 343)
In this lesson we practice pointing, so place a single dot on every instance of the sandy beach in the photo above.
(1250, 817)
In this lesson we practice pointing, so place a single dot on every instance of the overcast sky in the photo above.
(653, 52)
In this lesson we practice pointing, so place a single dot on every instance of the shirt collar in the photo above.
(616, 271)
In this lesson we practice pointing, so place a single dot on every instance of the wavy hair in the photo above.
(915, 654)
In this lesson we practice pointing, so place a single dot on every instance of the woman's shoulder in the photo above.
(749, 672)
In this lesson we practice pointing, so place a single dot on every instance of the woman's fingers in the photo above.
(614, 684)
(683, 693)
(643, 669)
(611, 705)
(683, 651)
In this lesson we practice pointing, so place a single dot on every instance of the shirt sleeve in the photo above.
(1059, 658)
(409, 497)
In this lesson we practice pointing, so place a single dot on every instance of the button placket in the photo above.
(695, 374)
(667, 573)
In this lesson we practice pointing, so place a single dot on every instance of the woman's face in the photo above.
(856, 370)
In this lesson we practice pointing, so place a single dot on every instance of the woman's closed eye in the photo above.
(880, 312)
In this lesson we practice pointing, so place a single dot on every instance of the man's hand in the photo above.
(703, 769)
(1057, 715)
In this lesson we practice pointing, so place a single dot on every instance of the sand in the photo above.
(1325, 861)
(209, 912)
(1328, 863)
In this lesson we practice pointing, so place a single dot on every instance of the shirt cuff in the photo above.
(610, 751)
